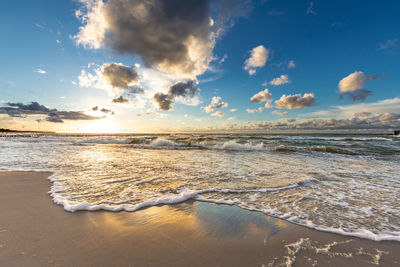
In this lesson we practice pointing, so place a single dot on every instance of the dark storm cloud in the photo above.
(53, 115)
(118, 75)
(179, 90)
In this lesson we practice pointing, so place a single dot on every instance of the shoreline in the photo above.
(34, 231)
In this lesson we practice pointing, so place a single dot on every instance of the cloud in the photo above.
(279, 112)
(53, 115)
(283, 79)
(295, 101)
(115, 78)
(310, 9)
(379, 107)
(291, 64)
(163, 100)
(383, 121)
(233, 110)
(217, 114)
(119, 76)
(389, 45)
(352, 85)
(262, 96)
(260, 109)
(120, 100)
(104, 110)
(257, 59)
(177, 37)
(40, 71)
(216, 103)
(179, 91)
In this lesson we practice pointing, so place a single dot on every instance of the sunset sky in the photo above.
(142, 66)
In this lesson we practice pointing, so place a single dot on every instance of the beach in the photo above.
(36, 232)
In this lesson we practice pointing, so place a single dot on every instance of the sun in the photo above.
(107, 125)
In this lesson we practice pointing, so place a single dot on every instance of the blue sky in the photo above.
(326, 41)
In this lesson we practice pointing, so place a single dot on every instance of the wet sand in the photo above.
(36, 232)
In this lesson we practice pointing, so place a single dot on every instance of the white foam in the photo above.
(163, 142)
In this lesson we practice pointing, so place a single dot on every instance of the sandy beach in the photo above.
(36, 232)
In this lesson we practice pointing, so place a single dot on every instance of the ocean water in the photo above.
(346, 184)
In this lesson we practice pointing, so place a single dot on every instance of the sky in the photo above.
(171, 66)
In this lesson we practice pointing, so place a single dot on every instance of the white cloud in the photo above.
(379, 107)
(259, 109)
(216, 102)
(353, 85)
(182, 46)
(258, 59)
(295, 101)
(279, 112)
(40, 71)
(233, 110)
(283, 79)
(217, 114)
(262, 96)
(291, 64)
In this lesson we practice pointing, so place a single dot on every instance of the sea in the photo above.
(341, 183)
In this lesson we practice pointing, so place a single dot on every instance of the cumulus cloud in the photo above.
(353, 85)
(283, 79)
(257, 59)
(262, 96)
(260, 109)
(217, 114)
(178, 91)
(120, 100)
(216, 103)
(120, 76)
(173, 36)
(295, 101)
(279, 112)
(53, 115)
(115, 78)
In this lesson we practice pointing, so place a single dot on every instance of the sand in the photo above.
(36, 232)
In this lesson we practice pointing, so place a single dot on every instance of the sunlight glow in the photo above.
(107, 125)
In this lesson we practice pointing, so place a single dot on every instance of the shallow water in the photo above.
(348, 184)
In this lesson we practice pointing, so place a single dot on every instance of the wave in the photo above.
(185, 194)
(330, 149)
